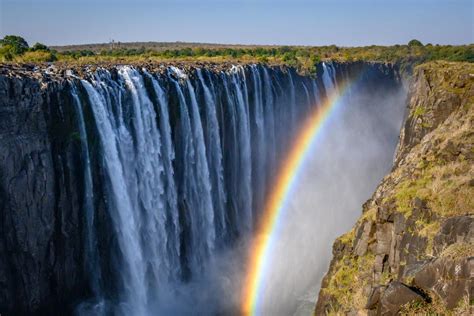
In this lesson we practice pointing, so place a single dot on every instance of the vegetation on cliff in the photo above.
(416, 234)
(303, 58)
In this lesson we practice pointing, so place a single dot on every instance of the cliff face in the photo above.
(40, 187)
(412, 249)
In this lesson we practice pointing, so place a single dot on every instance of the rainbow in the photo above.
(266, 234)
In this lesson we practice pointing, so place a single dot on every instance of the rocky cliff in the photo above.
(412, 250)
(40, 189)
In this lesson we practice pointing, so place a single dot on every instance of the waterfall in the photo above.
(328, 77)
(269, 123)
(121, 206)
(213, 145)
(203, 186)
(185, 161)
(171, 196)
(91, 255)
(244, 188)
(259, 151)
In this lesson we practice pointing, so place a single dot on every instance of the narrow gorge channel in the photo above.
(137, 190)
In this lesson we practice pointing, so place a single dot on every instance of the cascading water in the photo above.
(214, 156)
(90, 251)
(185, 160)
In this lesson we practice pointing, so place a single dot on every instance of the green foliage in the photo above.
(39, 46)
(414, 42)
(347, 283)
(315, 59)
(15, 48)
(16, 44)
(419, 111)
(409, 190)
(303, 58)
(6, 53)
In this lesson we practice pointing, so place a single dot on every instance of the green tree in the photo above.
(315, 59)
(39, 46)
(414, 42)
(17, 44)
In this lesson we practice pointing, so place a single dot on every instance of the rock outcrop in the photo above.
(412, 250)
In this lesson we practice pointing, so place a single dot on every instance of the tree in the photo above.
(17, 44)
(39, 46)
(414, 42)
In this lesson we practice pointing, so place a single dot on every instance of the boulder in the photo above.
(395, 296)
(449, 279)
(453, 230)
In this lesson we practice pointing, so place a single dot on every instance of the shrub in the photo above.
(39, 56)
(6, 53)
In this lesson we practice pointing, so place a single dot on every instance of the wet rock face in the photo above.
(39, 187)
(416, 232)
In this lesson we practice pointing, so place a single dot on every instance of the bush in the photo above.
(6, 53)
(39, 56)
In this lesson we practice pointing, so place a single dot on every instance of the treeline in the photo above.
(16, 49)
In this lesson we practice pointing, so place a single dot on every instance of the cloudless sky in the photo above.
(292, 22)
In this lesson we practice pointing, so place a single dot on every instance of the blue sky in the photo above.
(304, 22)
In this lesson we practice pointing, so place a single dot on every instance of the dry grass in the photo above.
(436, 307)
(347, 283)
(458, 250)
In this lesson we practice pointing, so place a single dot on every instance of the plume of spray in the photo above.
(322, 197)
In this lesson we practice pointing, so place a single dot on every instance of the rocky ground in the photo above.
(412, 250)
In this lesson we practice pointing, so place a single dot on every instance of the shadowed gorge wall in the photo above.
(123, 187)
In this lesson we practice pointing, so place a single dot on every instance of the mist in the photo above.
(340, 173)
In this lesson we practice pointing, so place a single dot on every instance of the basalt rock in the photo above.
(40, 174)
(394, 297)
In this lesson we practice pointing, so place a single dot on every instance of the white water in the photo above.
(124, 216)
(186, 161)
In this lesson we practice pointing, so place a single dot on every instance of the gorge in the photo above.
(138, 189)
